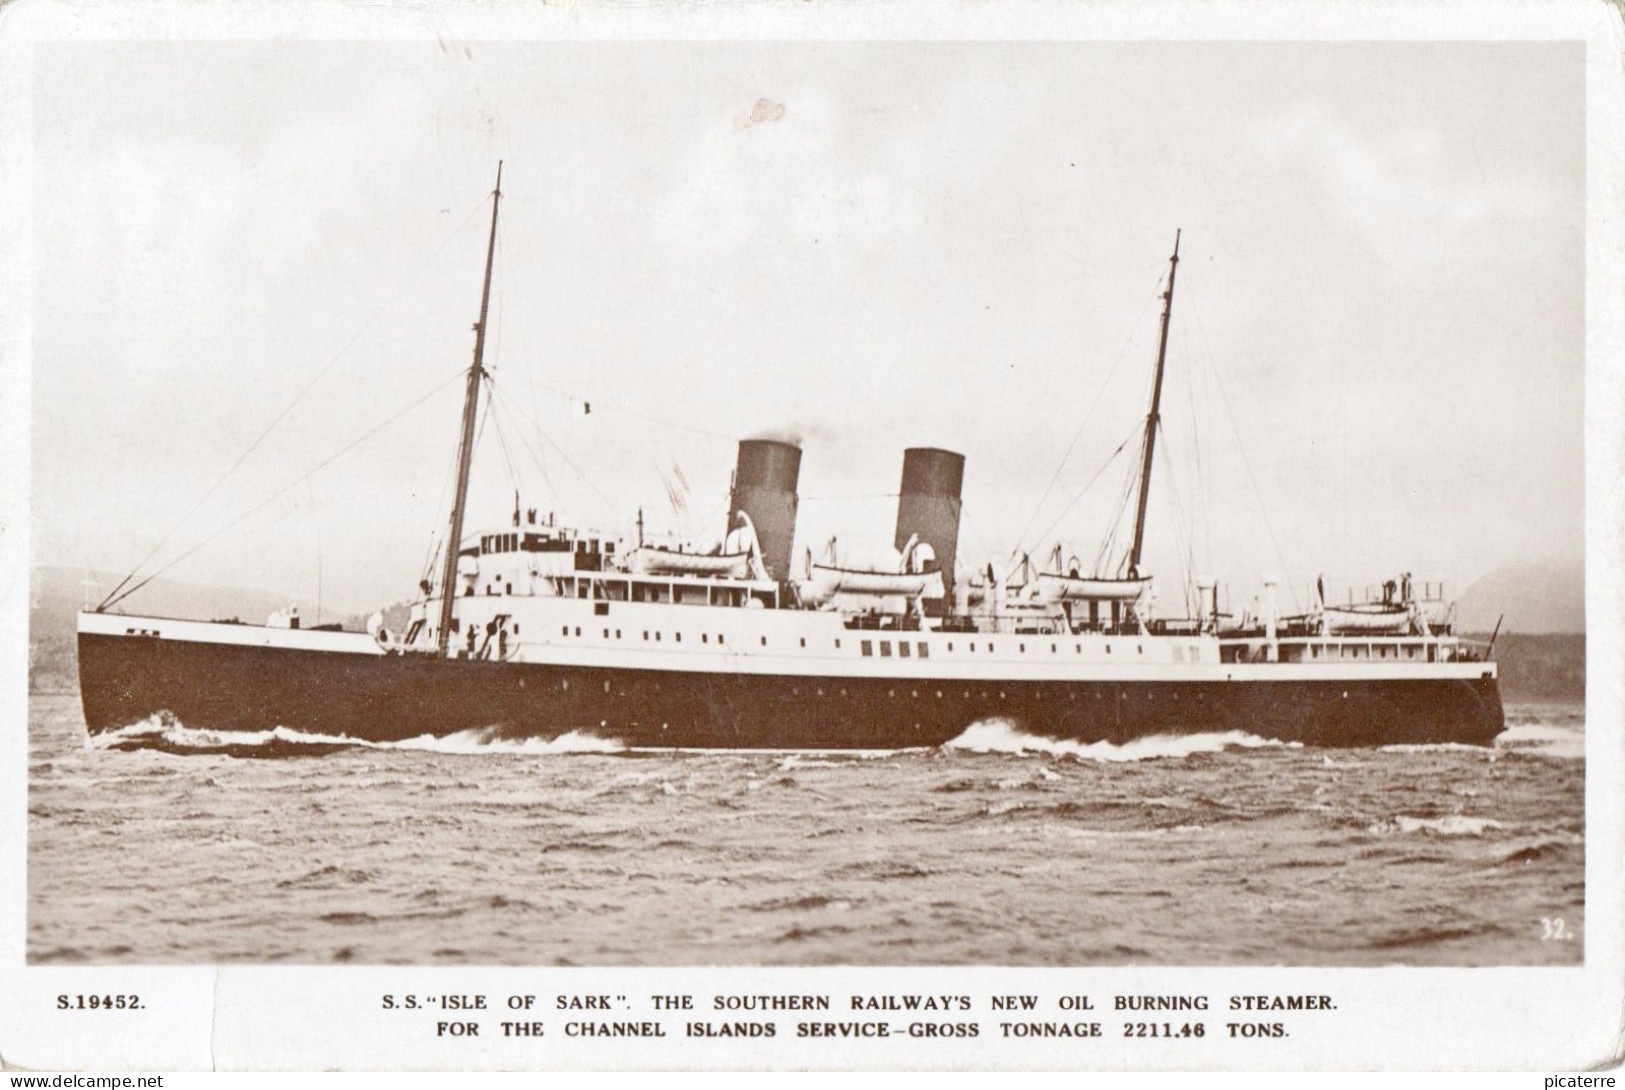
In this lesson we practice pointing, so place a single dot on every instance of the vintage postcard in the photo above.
(828, 536)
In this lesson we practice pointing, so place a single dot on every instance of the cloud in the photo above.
(1407, 175)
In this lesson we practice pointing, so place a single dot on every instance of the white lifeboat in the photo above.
(654, 560)
(1054, 587)
(1372, 620)
(887, 573)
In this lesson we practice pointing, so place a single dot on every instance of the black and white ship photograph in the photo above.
(795, 503)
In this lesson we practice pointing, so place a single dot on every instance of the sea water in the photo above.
(169, 843)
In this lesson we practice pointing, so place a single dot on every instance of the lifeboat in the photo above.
(826, 580)
(911, 573)
(654, 560)
(1073, 586)
(1374, 620)
(1054, 587)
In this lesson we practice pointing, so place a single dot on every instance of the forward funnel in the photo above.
(765, 489)
(928, 505)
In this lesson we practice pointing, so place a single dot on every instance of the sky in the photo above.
(1376, 360)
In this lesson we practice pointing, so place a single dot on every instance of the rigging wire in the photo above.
(1125, 496)
(440, 504)
(509, 405)
(1089, 484)
(1258, 493)
(1100, 395)
(389, 301)
(1184, 532)
(502, 440)
(288, 487)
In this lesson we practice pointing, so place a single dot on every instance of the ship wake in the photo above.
(166, 734)
(1003, 736)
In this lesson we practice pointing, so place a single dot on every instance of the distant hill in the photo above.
(1551, 666)
(1534, 598)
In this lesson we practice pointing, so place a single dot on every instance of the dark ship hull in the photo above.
(384, 698)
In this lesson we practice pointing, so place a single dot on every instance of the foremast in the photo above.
(465, 447)
(1153, 418)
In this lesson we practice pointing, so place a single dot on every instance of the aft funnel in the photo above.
(928, 505)
(765, 489)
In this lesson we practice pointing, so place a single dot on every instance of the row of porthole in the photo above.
(677, 637)
(564, 685)
(921, 649)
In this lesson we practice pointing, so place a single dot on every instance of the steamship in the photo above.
(537, 628)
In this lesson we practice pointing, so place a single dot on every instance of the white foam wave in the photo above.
(1452, 825)
(1002, 736)
(484, 741)
(479, 740)
(1545, 739)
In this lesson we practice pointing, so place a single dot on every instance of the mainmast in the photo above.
(465, 448)
(1153, 417)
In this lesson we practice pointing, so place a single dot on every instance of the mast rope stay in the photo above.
(279, 493)
(114, 596)
(1252, 478)
(1100, 394)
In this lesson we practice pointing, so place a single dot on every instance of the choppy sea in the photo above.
(169, 844)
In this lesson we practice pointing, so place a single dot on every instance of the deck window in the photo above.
(885, 649)
(902, 648)
(867, 648)
(924, 650)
